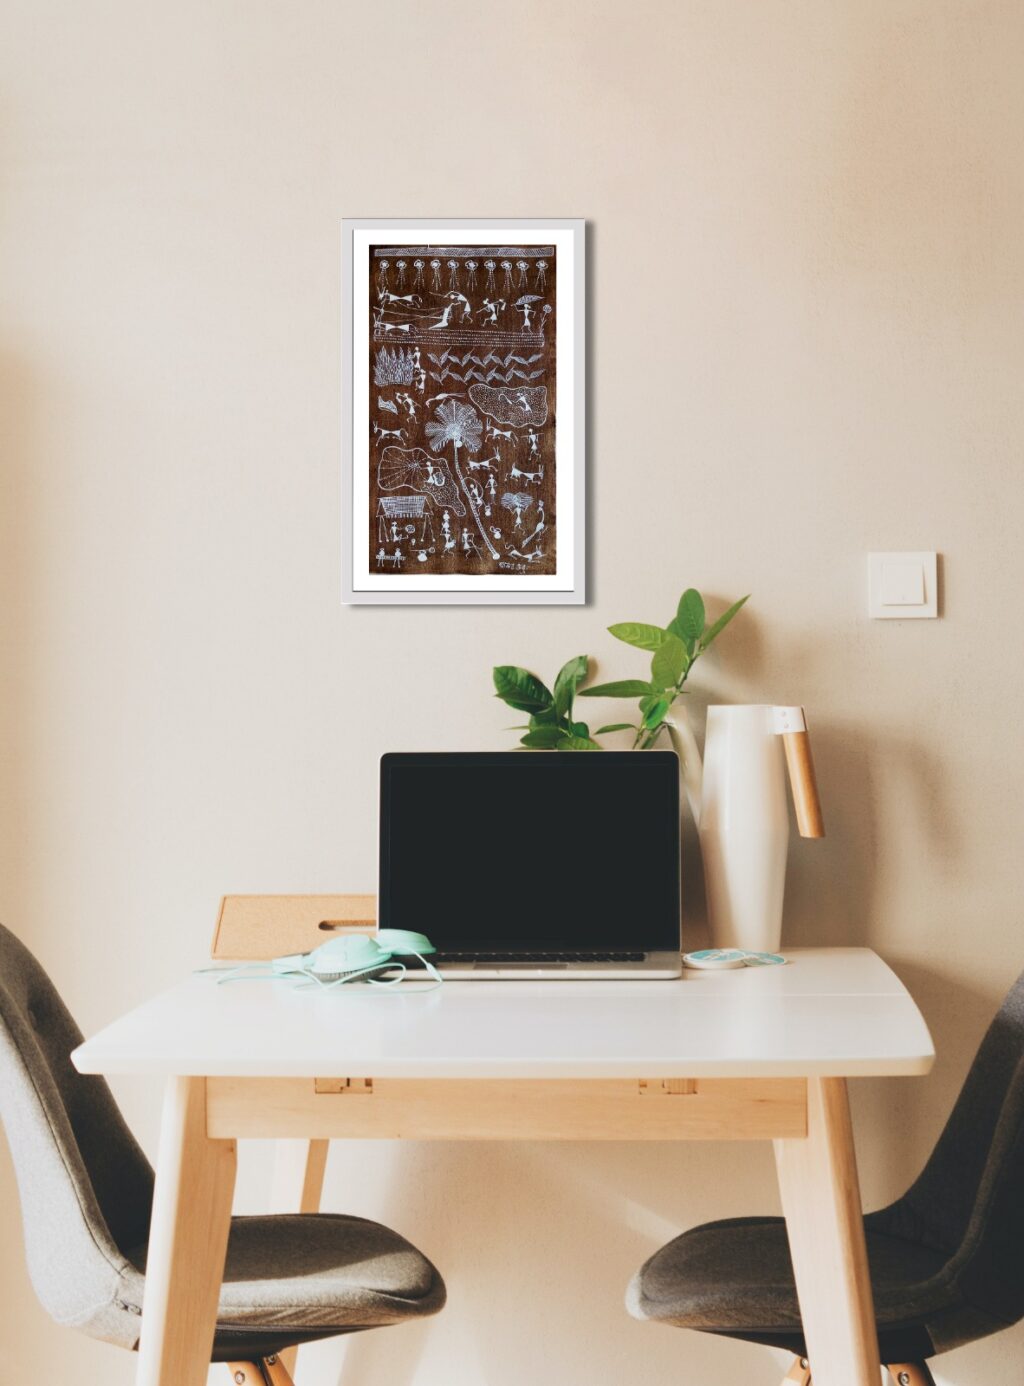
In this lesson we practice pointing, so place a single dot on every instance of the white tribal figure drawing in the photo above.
(534, 478)
(462, 481)
(540, 527)
(518, 503)
(381, 433)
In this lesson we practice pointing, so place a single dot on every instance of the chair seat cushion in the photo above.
(321, 1273)
(737, 1276)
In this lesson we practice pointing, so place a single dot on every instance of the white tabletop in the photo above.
(829, 1011)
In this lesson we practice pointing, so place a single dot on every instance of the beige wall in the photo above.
(188, 710)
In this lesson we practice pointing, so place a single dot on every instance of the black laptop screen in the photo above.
(544, 850)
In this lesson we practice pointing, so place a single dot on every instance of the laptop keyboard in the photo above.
(537, 958)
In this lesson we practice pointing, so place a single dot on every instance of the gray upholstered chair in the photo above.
(86, 1193)
(946, 1259)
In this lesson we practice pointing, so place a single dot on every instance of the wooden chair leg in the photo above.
(799, 1373)
(298, 1182)
(270, 1372)
(910, 1373)
(246, 1374)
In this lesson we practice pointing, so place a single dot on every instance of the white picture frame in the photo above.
(376, 318)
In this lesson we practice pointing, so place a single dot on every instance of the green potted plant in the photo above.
(551, 726)
(674, 650)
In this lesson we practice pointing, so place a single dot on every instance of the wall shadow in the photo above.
(571, 1221)
(831, 885)
(19, 558)
(590, 411)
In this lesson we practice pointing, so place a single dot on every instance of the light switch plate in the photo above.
(903, 586)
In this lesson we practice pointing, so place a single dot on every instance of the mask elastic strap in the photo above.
(245, 972)
(390, 981)
(438, 979)
(303, 977)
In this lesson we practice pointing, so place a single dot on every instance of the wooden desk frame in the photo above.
(806, 1117)
(449, 1109)
(808, 1121)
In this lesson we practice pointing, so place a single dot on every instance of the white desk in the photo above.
(755, 1054)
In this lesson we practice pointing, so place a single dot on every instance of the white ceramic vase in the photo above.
(744, 827)
(739, 803)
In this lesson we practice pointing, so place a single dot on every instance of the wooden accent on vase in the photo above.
(809, 818)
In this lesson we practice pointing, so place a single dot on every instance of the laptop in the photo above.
(531, 864)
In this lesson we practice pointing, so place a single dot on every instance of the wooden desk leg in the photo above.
(188, 1237)
(298, 1184)
(821, 1200)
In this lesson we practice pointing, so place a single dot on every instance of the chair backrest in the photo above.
(969, 1199)
(267, 926)
(86, 1188)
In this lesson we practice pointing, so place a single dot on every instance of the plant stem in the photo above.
(645, 740)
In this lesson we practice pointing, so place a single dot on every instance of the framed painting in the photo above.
(463, 454)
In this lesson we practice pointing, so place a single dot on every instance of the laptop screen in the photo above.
(509, 851)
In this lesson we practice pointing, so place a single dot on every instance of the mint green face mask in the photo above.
(374, 958)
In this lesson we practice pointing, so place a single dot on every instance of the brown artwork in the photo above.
(462, 409)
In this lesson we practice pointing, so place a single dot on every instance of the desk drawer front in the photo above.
(508, 1109)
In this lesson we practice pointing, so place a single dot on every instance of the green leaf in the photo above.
(520, 689)
(580, 729)
(547, 718)
(674, 628)
(625, 688)
(577, 743)
(636, 633)
(615, 726)
(655, 714)
(691, 614)
(723, 620)
(569, 677)
(669, 663)
(543, 738)
(647, 703)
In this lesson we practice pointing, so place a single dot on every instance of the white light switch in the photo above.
(902, 586)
